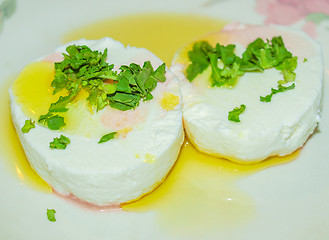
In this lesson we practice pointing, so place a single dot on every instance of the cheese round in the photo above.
(265, 129)
(120, 170)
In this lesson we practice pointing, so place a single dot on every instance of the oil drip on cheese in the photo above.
(200, 191)
(33, 91)
(11, 148)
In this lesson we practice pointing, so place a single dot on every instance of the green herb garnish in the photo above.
(51, 215)
(85, 69)
(54, 122)
(107, 137)
(234, 115)
(29, 124)
(203, 55)
(60, 143)
(275, 91)
(258, 56)
(199, 59)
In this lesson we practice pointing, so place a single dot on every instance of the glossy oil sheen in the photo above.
(201, 192)
(12, 150)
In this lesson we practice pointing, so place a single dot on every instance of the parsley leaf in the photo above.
(85, 69)
(266, 54)
(29, 124)
(54, 122)
(287, 67)
(226, 53)
(275, 91)
(60, 143)
(60, 81)
(107, 137)
(199, 59)
(60, 105)
(51, 215)
(235, 113)
(259, 55)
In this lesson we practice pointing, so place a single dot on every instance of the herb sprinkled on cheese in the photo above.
(275, 91)
(29, 124)
(107, 137)
(258, 56)
(60, 143)
(85, 69)
(234, 115)
(54, 122)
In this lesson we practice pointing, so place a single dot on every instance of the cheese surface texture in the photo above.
(265, 129)
(146, 145)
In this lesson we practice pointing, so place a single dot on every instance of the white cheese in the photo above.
(266, 129)
(119, 170)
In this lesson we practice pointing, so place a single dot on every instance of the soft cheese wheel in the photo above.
(266, 129)
(122, 169)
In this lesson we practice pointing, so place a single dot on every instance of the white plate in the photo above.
(291, 201)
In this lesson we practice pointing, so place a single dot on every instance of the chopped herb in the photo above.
(60, 143)
(51, 215)
(234, 115)
(29, 124)
(266, 54)
(275, 91)
(203, 54)
(258, 56)
(305, 60)
(85, 69)
(199, 59)
(107, 137)
(287, 67)
(54, 122)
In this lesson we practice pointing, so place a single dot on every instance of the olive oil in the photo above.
(200, 192)
(11, 148)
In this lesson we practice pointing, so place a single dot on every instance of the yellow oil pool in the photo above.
(11, 148)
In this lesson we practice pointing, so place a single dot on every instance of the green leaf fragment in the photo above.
(109, 88)
(51, 215)
(123, 101)
(60, 81)
(60, 105)
(281, 88)
(85, 69)
(107, 137)
(226, 53)
(159, 73)
(216, 79)
(54, 122)
(199, 59)
(258, 56)
(29, 124)
(60, 143)
(234, 115)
